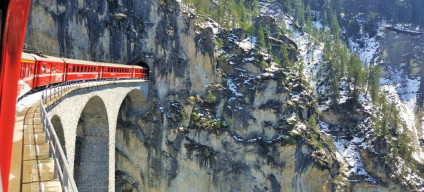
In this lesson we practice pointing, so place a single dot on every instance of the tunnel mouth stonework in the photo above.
(91, 163)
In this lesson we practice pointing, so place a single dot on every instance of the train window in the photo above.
(27, 70)
(44, 68)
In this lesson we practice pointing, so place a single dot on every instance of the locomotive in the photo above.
(41, 70)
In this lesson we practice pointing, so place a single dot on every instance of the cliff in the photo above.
(223, 115)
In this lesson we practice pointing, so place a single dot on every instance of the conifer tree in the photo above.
(285, 55)
(374, 82)
(261, 37)
(300, 12)
(355, 74)
(334, 26)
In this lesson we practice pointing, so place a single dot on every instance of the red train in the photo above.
(37, 71)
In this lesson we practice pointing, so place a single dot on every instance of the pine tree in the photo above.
(308, 16)
(289, 6)
(255, 11)
(334, 26)
(261, 37)
(355, 74)
(300, 13)
(374, 82)
(285, 55)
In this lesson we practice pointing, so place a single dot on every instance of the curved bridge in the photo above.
(85, 121)
(84, 118)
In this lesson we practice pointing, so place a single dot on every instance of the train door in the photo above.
(52, 72)
(44, 73)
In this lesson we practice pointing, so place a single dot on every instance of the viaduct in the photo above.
(85, 122)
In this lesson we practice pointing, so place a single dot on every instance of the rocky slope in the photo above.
(222, 118)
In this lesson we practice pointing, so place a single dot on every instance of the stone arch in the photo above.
(134, 104)
(58, 128)
(129, 140)
(91, 162)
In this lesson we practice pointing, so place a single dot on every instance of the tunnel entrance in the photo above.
(141, 64)
(58, 128)
(144, 65)
(129, 149)
(91, 165)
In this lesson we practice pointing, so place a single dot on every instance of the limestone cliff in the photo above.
(221, 118)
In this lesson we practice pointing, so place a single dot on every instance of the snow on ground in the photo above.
(247, 44)
(403, 91)
(28, 101)
(413, 178)
(212, 24)
(368, 52)
(348, 152)
(233, 87)
(25, 88)
(270, 8)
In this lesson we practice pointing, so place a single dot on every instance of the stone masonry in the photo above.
(95, 112)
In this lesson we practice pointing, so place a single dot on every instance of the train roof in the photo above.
(27, 56)
(74, 61)
(42, 58)
(33, 57)
(118, 65)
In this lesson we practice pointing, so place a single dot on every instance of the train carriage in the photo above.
(49, 70)
(26, 74)
(140, 73)
(81, 70)
(38, 71)
(116, 71)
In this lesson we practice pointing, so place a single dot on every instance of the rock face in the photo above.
(213, 125)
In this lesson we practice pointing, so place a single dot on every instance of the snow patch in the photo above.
(233, 87)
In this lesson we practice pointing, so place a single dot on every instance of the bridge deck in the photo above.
(31, 168)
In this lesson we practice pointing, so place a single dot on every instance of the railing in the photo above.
(61, 166)
(52, 92)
